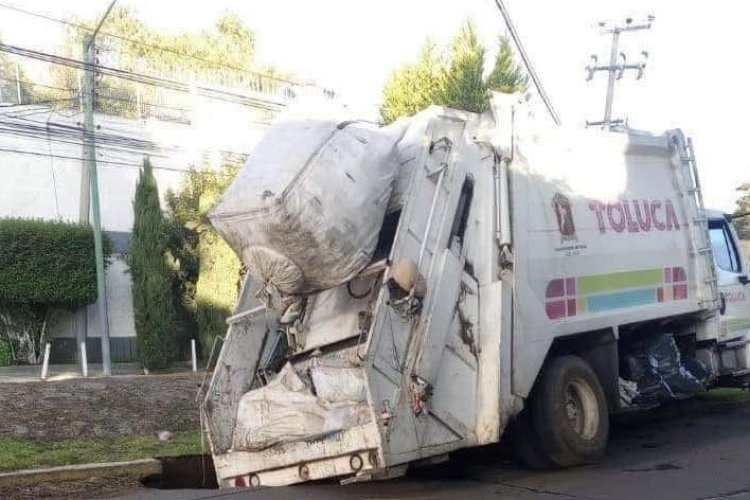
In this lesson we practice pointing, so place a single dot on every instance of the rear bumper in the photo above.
(351, 452)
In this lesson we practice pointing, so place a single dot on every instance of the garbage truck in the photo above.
(455, 278)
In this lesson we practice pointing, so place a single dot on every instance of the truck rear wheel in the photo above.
(526, 443)
(569, 412)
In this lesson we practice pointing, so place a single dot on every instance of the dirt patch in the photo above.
(69, 490)
(100, 407)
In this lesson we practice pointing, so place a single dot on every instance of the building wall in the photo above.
(42, 179)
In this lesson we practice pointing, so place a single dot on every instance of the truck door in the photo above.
(731, 274)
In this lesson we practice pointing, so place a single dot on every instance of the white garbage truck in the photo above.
(424, 287)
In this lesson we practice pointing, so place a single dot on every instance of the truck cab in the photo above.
(733, 337)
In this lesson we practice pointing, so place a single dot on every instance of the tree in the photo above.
(208, 268)
(456, 80)
(464, 87)
(415, 86)
(222, 56)
(152, 276)
(742, 224)
(507, 76)
(10, 87)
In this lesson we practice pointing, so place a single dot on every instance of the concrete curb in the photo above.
(136, 469)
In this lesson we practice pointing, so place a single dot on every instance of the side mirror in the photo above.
(743, 279)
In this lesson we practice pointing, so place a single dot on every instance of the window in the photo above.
(461, 219)
(725, 253)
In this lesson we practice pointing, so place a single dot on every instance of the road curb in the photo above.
(135, 469)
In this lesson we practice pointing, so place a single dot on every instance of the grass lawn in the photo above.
(724, 394)
(18, 453)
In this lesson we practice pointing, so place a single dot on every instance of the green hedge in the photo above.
(47, 262)
(6, 355)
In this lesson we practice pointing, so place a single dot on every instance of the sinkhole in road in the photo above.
(184, 472)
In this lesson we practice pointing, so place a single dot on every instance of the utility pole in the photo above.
(18, 82)
(89, 143)
(615, 70)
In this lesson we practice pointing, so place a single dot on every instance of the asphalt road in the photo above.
(693, 451)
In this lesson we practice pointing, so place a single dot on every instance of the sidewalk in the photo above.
(32, 373)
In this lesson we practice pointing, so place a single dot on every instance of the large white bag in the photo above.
(305, 211)
(285, 410)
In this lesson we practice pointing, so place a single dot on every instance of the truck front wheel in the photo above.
(569, 412)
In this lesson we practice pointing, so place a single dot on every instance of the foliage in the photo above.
(455, 80)
(47, 262)
(742, 224)
(464, 87)
(415, 86)
(223, 56)
(208, 270)
(507, 75)
(6, 354)
(24, 453)
(153, 307)
(44, 265)
(23, 327)
(9, 87)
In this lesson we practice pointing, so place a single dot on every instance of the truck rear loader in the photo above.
(424, 287)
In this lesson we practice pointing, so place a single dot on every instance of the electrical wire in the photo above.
(105, 138)
(54, 179)
(14, 80)
(222, 95)
(98, 161)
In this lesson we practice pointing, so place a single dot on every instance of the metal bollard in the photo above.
(45, 363)
(84, 361)
(194, 356)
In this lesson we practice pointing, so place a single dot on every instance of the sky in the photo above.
(695, 79)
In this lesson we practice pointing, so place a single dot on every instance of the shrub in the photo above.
(6, 355)
(47, 263)
(44, 265)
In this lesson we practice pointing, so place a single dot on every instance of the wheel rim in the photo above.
(582, 409)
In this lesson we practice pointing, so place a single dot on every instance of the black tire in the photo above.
(569, 412)
(526, 444)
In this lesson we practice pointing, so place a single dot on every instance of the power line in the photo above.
(157, 47)
(78, 158)
(35, 128)
(38, 103)
(54, 179)
(211, 93)
(63, 134)
(14, 80)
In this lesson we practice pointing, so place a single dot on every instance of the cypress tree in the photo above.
(152, 276)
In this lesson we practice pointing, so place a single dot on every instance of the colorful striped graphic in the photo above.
(567, 297)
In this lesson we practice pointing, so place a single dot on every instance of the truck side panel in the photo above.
(601, 240)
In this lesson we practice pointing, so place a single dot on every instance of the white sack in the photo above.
(305, 211)
(335, 384)
(285, 410)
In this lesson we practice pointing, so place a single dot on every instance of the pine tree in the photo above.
(415, 86)
(464, 87)
(153, 305)
(507, 76)
(454, 80)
